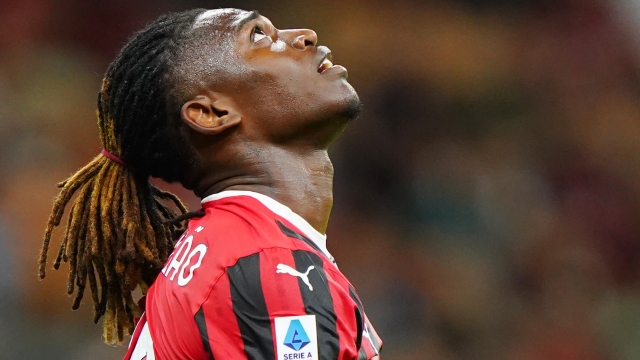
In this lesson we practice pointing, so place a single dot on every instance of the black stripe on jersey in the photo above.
(362, 353)
(354, 297)
(202, 327)
(359, 318)
(250, 308)
(295, 235)
(319, 302)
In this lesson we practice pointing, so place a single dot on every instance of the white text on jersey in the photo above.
(182, 257)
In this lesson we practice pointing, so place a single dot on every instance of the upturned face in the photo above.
(284, 84)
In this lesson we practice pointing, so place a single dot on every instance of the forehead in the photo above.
(223, 18)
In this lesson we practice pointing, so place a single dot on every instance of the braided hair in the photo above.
(121, 228)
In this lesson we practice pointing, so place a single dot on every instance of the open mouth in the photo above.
(325, 64)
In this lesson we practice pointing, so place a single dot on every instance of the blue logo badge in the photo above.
(296, 336)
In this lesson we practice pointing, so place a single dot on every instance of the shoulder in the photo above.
(242, 221)
(224, 240)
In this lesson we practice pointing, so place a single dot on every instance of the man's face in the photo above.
(284, 84)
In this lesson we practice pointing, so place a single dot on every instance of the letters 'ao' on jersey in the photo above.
(252, 280)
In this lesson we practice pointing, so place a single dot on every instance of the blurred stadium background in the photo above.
(491, 190)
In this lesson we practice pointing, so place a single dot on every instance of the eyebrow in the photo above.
(241, 23)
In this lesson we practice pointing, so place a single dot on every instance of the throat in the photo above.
(302, 182)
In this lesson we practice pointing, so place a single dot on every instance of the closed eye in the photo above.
(257, 34)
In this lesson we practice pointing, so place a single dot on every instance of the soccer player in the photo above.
(242, 114)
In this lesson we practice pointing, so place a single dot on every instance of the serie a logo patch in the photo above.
(297, 337)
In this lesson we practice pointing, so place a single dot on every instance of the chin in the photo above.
(350, 106)
(346, 110)
(354, 108)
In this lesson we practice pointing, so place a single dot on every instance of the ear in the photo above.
(210, 116)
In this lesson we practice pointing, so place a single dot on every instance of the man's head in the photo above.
(237, 70)
(206, 72)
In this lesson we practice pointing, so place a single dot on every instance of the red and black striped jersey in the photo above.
(252, 280)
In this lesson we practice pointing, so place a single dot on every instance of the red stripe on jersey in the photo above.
(222, 327)
(281, 291)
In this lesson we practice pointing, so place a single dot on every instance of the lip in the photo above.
(336, 69)
(325, 53)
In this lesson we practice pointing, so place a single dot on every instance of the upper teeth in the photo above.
(326, 63)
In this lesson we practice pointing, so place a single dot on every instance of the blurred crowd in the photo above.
(491, 189)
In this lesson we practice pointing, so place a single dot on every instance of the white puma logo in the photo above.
(286, 269)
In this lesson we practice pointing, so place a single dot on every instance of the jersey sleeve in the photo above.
(281, 304)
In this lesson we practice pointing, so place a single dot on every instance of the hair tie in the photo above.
(114, 158)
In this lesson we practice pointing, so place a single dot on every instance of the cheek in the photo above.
(277, 88)
(291, 89)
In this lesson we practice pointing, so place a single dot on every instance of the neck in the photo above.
(301, 180)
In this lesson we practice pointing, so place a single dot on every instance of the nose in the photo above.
(303, 38)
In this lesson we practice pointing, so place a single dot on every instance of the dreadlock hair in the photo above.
(121, 228)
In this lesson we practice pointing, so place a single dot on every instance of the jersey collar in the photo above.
(281, 210)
